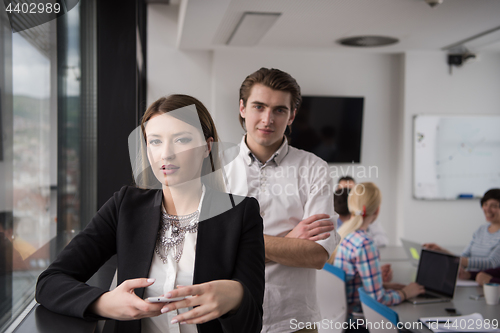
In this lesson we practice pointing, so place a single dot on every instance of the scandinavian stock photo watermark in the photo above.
(313, 180)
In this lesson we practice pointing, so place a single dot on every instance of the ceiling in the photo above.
(318, 24)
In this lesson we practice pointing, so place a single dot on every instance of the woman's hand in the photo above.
(463, 274)
(434, 247)
(123, 304)
(212, 300)
(386, 273)
(483, 278)
(413, 289)
(464, 262)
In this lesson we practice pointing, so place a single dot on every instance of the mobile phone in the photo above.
(159, 299)
(476, 297)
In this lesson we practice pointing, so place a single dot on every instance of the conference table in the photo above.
(404, 272)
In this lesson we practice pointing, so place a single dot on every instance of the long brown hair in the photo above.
(203, 117)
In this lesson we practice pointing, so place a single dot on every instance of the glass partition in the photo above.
(41, 140)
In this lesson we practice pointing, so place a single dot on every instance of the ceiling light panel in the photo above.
(251, 28)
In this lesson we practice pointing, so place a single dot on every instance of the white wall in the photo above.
(169, 70)
(430, 89)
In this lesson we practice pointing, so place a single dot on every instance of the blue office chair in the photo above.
(331, 296)
(375, 312)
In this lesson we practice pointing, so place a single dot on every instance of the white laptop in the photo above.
(413, 250)
(438, 273)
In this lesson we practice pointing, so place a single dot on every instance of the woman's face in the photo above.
(176, 150)
(491, 209)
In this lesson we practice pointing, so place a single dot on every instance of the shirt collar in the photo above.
(278, 155)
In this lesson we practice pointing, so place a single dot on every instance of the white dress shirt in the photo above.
(290, 187)
(168, 276)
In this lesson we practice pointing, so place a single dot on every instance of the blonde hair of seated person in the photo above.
(364, 200)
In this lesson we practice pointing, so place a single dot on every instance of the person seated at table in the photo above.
(376, 230)
(340, 198)
(483, 252)
(358, 256)
(174, 232)
(340, 205)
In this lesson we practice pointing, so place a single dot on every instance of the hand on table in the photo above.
(413, 289)
(123, 304)
(483, 278)
(314, 228)
(386, 273)
(212, 300)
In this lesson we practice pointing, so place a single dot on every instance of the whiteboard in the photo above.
(455, 156)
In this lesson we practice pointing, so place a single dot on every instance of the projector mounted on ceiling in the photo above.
(434, 3)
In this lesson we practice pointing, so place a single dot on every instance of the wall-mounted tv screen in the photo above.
(330, 127)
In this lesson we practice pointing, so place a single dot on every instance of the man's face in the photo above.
(267, 114)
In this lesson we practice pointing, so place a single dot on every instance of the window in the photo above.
(47, 145)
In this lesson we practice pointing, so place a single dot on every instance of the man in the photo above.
(294, 191)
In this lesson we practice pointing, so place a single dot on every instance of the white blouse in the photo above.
(168, 276)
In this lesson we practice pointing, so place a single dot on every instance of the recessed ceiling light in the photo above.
(367, 41)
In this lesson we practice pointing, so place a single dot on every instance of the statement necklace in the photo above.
(179, 226)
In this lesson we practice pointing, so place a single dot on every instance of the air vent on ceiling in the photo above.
(367, 41)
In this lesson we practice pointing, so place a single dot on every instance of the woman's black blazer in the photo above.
(230, 245)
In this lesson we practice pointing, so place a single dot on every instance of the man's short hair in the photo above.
(494, 193)
(272, 78)
(346, 179)
(340, 201)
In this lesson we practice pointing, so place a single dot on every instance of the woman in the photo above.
(483, 251)
(358, 256)
(187, 235)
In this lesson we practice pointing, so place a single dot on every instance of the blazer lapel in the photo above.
(142, 254)
(203, 232)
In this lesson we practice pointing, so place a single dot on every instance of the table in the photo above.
(405, 272)
(41, 320)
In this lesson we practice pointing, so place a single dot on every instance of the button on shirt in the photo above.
(290, 187)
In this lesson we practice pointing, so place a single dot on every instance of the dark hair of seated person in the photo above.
(340, 201)
(494, 193)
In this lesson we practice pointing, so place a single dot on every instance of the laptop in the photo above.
(438, 273)
(413, 250)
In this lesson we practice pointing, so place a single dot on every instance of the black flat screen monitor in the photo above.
(330, 127)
